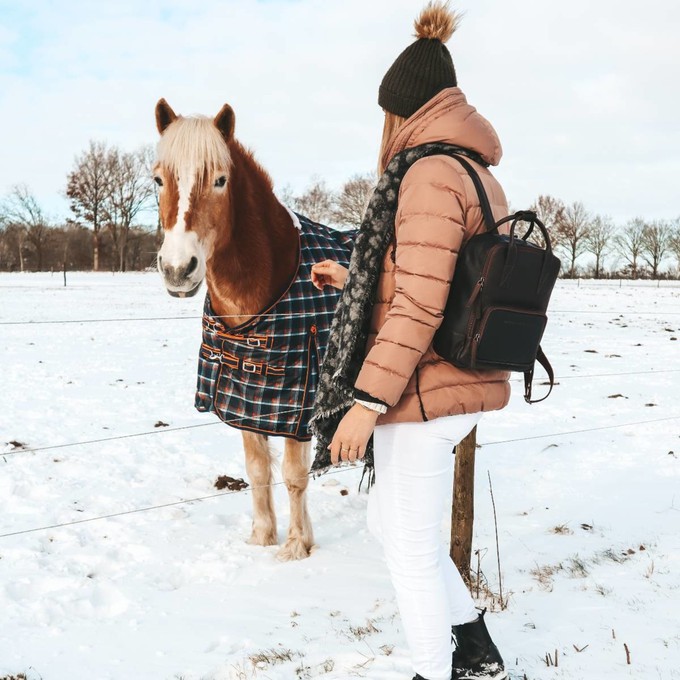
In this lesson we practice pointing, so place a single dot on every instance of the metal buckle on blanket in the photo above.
(249, 367)
(254, 342)
(212, 322)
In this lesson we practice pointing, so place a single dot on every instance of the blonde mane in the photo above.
(192, 145)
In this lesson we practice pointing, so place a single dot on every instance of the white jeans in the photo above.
(414, 475)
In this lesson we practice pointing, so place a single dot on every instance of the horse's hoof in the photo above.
(262, 538)
(293, 549)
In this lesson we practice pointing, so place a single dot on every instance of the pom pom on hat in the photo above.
(437, 22)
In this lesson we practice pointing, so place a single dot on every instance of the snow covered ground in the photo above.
(588, 505)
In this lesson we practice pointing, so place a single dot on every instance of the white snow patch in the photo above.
(588, 522)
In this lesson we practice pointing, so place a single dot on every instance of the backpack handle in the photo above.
(531, 217)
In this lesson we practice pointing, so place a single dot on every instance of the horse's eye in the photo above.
(158, 181)
(220, 181)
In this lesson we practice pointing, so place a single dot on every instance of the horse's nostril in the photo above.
(193, 263)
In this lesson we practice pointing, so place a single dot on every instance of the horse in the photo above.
(222, 223)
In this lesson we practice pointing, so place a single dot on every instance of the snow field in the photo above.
(588, 522)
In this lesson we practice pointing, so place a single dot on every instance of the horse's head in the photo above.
(192, 172)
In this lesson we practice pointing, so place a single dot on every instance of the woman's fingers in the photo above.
(324, 267)
(335, 451)
(351, 438)
(346, 453)
(318, 280)
(328, 273)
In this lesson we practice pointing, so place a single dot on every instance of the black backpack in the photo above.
(496, 312)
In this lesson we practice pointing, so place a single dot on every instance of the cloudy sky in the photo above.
(584, 95)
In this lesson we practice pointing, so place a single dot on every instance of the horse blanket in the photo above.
(262, 375)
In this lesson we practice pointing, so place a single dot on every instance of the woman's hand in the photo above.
(328, 273)
(354, 431)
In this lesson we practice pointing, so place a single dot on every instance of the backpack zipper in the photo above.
(475, 292)
(479, 287)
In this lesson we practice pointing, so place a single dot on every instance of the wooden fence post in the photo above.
(463, 511)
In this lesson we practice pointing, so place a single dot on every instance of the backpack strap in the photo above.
(481, 191)
(529, 377)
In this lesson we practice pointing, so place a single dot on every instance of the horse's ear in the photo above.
(225, 121)
(164, 115)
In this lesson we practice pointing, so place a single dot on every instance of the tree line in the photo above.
(588, 244)
(114, 223)
(639, 248)
(111, 199)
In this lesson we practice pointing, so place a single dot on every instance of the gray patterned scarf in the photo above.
(349, 331)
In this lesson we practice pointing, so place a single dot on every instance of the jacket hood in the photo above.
(448, 118)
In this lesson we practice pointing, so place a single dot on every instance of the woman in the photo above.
(416, 406)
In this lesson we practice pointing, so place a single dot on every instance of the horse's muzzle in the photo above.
(185, 294)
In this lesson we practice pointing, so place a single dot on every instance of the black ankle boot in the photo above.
(476, 656)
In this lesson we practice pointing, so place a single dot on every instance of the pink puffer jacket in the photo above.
(438, 211)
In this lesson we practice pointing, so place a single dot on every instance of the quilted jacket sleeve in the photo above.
(429, 230)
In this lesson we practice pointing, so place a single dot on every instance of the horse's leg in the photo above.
(295, 475)
(259, 463)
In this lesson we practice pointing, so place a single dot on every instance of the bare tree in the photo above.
(89, 188)
(156, 202)
(316, 202)
(629, 243)
(142, 250)
(599, 240)
(573, 230)
(674, 242)
(76, 244)
(12, 244)
(131, 193)
(21, 209)
(350, 203)
(7, 248)
(656, 238)
(550, 211)
(286, 196)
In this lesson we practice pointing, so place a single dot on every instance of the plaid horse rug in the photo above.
(262, 375)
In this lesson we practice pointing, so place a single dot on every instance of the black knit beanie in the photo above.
(425, 67)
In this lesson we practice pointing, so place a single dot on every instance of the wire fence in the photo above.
(340, 470)
(133, 435)
(620, 283)
(165, 430)
(194, 317)
(162, 506)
